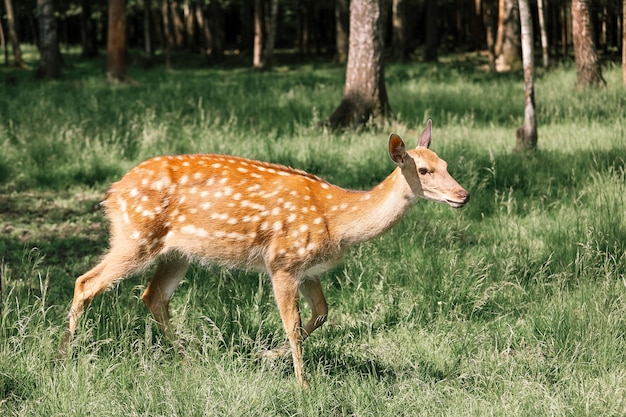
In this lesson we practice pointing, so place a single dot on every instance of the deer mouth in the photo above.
(460, 202)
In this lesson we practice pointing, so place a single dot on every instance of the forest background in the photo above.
(514, 305)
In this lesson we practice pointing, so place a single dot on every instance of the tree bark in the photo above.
(490, 11)
(398, 31)
(88, 32)
(508, 42)
(624, 42)
(15, 43)
(342, 27)
(588, 69)
(147, 30)
(432, 41)
(116, 42)
(50, 61)
(527, 135)
(167, 32)
(365, 96)
(270, 39)
(544, 34)
(3, 44)
(257, 53)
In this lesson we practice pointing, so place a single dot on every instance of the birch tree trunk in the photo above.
(527, 134)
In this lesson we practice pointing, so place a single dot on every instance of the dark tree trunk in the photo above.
(490, 12)
(588, 69)
(342, 27)
(270, 39)
(3, 44)
(88, 32)
(398, 31)
(50, 63)
(624, 42)
(147, 30)
(365, 97)
(168, 38)
(432, 38)
(15, 43)
(116, 41)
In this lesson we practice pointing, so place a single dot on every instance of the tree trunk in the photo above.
(50, 62)
(508, 42)
(398, 32)
(147, 32)
(178, 25)
(88, 34)
(342, 27)
(527, 135)
(270, 40)
(257, 54)
(544, 34)
(588, 69)
(167, 33)
(15, 43)
(3, 45)
(116, 42)
(489, 18)
(624, 43)
(365, 97)
(432, 41)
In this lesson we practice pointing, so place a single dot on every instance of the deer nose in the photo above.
(463, 195)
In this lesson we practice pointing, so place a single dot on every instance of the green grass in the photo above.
(512, 306)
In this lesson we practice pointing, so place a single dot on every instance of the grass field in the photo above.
(512, 306)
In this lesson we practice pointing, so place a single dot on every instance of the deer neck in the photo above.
(367, 214)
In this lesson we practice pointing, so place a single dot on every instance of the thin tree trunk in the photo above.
(432, 41)
(342, 27)
(3, 44)
(88, 33)
(527, 135)
(544, 34)
(489, 19)
(178, 25)
(271, 35)
(116, 42)
(15, 43)
(147, 32)
(398, 35)
(624, 42)
(167, 33)
(257, 54)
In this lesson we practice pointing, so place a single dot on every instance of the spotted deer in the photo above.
(242, 213)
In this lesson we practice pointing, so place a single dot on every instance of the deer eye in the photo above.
(423, 171)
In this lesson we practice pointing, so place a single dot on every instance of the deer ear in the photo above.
(426, 135)
(397, 150)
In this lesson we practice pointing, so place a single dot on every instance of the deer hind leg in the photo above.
(286, 294)
(170, 271)
(116, 265)
(311, 289)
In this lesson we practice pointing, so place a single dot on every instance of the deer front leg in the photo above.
(286, 294)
